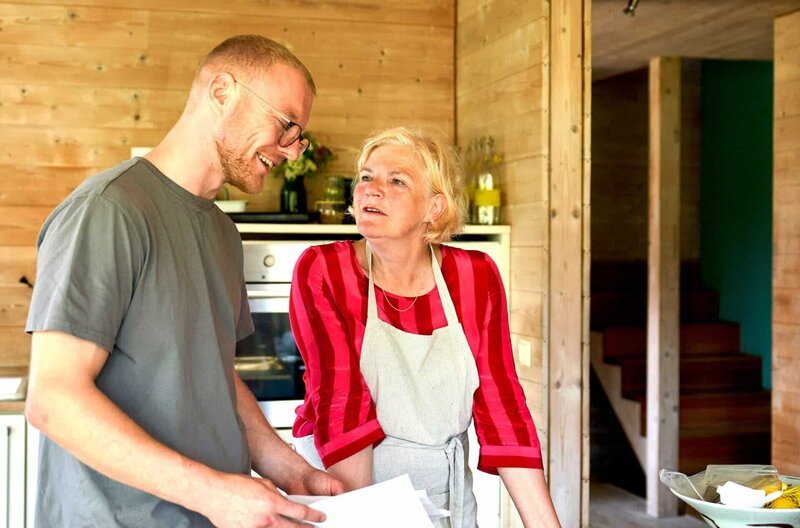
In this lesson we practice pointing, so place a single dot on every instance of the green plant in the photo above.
(313, 159)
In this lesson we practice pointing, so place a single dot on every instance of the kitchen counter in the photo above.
(15, 405)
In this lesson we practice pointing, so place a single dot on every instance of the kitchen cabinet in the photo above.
(31, 473)
(12, 470)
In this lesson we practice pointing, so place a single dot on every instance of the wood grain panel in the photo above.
(569, 79)
(15, 263)
(307, 38)
(20, 224)
(733, 29)
(376, 11)
(663, 280)
(501, 58)
(16, 349)
(486, 22)
(77, 106)
(14, 301)
(516, 95)
(525, 313)
(528, 278)
(39, 185)
(72, 25)
(786, 246)
(518, 176)
(527, 220)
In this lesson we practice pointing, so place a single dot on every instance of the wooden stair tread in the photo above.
(630, 308)
(625, 341)
(632, 276)
(724, 372)
(719, 412)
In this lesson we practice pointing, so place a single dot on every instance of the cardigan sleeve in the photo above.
(338, 402)
(503, 422)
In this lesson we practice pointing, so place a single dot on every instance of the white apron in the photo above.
(422, 387)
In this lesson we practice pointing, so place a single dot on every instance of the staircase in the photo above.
(724, 413)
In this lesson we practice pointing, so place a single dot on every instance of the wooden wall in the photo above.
(85, 80)
(619, 165)
(786, 248)
(501, 91)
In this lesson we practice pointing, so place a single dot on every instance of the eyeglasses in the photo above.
(291, 131)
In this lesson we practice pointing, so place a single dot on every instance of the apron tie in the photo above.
(455, 459)
(456, 465)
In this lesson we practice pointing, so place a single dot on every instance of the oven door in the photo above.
(268, 360)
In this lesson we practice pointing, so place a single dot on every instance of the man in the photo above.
(138, 306)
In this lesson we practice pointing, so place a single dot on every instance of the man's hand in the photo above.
(315, 482)
(247, 502)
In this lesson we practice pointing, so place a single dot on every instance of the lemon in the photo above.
(783, 503)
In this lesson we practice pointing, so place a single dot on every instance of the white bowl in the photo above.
(721, 516)
(231, 206)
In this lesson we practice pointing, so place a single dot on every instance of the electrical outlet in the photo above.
(524, 352)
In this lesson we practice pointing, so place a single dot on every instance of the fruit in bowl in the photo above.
(778, 515)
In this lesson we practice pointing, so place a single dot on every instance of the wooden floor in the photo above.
(612, 507)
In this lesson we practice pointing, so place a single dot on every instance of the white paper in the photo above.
(733, 494)
(430, 508)
(390, 504)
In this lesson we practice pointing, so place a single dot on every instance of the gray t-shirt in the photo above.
(152, 273)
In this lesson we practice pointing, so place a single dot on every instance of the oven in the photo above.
(268, 361)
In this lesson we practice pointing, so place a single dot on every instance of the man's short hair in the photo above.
(252, 54)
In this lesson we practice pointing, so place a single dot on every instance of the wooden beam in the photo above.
(568, 181)
(663, 332)
(786, 247)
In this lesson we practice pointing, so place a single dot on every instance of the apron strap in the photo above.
(372, 305)
(444, 293)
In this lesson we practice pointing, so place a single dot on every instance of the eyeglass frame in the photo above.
(303, 141)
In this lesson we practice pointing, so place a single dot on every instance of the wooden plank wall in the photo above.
(501, 90)
(85, 80)
(619, 165)
(786, 248)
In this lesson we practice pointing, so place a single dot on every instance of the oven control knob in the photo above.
(269, 261)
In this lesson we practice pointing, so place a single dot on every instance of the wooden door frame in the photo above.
(568, 61)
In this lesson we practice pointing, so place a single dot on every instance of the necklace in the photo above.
(410, 306)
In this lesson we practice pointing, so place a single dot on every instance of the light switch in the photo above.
(524, 352)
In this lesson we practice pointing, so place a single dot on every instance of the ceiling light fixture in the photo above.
(631, 9)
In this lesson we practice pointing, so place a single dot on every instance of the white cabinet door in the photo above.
(32, 473)
(12, 470)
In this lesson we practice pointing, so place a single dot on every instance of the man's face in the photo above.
(248, 143)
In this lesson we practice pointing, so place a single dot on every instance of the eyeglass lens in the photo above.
(291, 134)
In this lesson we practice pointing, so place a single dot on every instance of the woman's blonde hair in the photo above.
(443, 175)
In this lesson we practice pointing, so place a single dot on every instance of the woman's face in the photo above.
(391, 198)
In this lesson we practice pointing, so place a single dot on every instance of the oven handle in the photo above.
(268, 291)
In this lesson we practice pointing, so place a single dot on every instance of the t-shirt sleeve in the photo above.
(89, 258)
(346, 419)
(503, 423)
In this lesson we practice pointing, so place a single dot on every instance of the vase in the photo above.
(293, 195)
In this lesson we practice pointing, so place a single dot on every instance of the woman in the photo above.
(406, 340)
